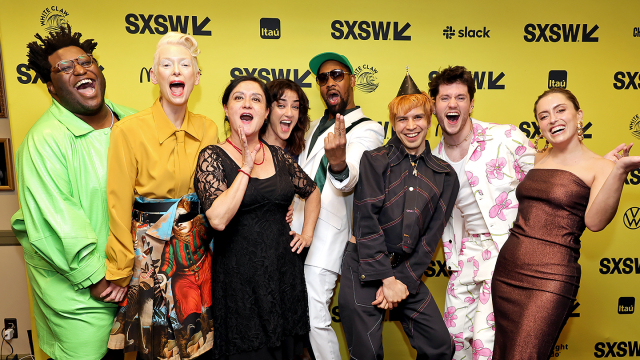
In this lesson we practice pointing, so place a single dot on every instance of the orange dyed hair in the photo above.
(405, 103)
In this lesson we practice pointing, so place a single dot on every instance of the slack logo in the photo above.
(626, 305)
(558, 79)
(270, 28)
(610, 266)
(450, 33)
(557, 32)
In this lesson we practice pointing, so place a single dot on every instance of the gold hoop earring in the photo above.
(580, 131)
(535, 144)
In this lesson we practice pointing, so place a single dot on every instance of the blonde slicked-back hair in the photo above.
(405, 103)
(175, 38)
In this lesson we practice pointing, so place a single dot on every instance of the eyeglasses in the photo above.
(67, 66)
(337, 75)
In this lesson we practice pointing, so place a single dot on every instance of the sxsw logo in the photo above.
(440, 271)
(631, 217)
(450, 33)
(162, 24)
(616, 349)
(492, 80)
(610, 266)
(26, 76)
(365, 30)
(271, 74)
(633, 179)
(531, 129)
(625, 80)
(558, 79)
(270, 28)
(636, 32)
(557, 32)
(626, 305)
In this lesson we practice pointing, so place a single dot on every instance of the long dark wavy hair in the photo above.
(276, 88)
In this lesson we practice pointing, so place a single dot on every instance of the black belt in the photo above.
(396, 258)
(151, 212)
(352, 247)
(158, 207)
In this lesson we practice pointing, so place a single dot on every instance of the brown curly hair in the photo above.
(276, 88)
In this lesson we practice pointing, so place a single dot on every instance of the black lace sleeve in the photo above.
(302, 183)
(209, 180)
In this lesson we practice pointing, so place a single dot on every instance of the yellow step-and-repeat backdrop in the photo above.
(516, 50)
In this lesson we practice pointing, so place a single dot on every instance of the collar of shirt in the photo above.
(480, 134)
(75, 125)
(165, 128)
(398, 153)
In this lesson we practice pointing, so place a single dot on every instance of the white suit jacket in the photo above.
(501, 157)
(334, 225)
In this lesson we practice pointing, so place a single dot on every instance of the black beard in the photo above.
(338, 108)
(70, 101)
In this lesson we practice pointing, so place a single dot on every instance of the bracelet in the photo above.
(244, 172)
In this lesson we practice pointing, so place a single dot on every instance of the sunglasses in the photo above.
(337, 75)
(67, 66)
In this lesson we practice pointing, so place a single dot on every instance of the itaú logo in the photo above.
(616, 349)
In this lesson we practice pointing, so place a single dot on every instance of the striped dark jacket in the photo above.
(397, 211)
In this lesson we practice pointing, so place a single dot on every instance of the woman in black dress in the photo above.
(246, 186)
(537, 274)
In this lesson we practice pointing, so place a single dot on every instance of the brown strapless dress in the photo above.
(537, 274)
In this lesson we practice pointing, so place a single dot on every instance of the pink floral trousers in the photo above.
(468, 308)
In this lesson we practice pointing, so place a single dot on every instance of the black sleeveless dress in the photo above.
(537, 274)
(260, 308)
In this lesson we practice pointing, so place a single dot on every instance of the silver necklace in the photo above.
(112, 118)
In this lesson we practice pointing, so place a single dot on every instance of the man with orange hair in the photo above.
(402, 202)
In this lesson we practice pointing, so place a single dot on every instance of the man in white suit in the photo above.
(331, 157)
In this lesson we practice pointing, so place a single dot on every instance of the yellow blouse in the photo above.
(148, 157)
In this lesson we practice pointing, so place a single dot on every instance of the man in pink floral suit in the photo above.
(490, 161)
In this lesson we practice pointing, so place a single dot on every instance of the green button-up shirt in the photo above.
(63, 225)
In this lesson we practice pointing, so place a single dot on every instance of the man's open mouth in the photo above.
(86, 87)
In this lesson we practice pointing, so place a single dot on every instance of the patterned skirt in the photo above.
(167, 311)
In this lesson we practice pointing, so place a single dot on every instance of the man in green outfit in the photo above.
(63, 223)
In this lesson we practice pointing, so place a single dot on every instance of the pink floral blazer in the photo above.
(501, 156)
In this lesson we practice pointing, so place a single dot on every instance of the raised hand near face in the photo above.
(248, 156)
(335, 146)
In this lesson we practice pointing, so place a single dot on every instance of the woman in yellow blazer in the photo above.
(158, 243)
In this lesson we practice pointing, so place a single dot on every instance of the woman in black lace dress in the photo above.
(259, 294)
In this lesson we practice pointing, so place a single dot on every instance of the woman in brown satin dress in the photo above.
(537, 274)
